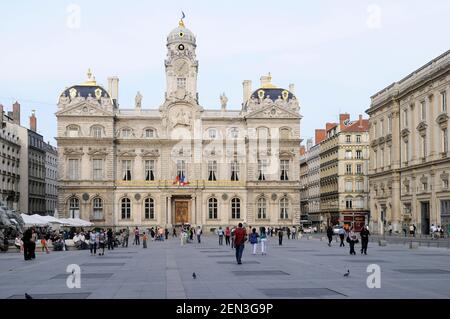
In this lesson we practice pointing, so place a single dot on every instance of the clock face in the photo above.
(181, 67)
(181, 47)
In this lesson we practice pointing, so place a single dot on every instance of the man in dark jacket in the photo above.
(280, 236)
(364, 239)
(26, 244)
(109, 234)
(329, 235)
(240, 236)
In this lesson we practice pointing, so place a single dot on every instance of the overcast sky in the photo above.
(337, 53)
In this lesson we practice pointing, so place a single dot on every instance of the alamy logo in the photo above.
(374, 279)
(74, 279)
(374, 16)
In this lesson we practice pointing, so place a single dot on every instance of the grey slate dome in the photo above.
(181, 34)
(85, 90)
(273, 94)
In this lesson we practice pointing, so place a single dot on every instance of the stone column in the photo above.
(395, 193)
(434, 207)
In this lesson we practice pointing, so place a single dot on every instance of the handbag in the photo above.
(348, 239)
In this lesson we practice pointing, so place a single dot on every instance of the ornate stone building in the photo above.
(410, 159)
(179, 163)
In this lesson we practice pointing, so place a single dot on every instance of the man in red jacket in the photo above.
(239, 241)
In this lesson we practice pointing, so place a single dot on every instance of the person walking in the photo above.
(341, 234)
(144, 240)
(411, 230)
(232, 237)
(220, 234)
(136, 237)
(174, 232)
(166, 233)
(288, 232)
(329, 235)
(199, 233)
(18, 243)
(44, 246)
(352, 240)
(364, 239)
(33, 243)
(253, 239)
(293, 232)
(263, 239)
(93, 242)
(126, 236)
(227, 236)
(101, 242)
(109, 235)
(26, 244)
(240, 236)
(280, 237)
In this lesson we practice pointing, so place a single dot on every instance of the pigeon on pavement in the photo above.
(194, 275)
(348, 273)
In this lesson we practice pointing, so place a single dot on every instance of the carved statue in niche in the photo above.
(183, 118)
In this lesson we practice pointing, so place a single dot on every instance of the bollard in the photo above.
(413, 245)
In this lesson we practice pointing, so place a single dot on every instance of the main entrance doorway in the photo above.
(425, 214)
(181, 211)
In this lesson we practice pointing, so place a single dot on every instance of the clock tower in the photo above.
(181, 65)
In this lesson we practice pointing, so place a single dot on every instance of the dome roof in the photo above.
(85, 90)
(273, 93)
(181, 34)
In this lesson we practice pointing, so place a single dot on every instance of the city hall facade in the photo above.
(179, 162)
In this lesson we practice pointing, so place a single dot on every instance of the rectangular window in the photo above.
(74, 169)
(445, 208)
(348, 168)
(235, 171)
(349, 186)
(97, 165)
(358, 138)
(348, 203)
(262, 165)
(405, 118)
(150, 170)
(212, 170)
(348, 154)
(212, 133)
(423, 111)
(181, 168)
(381, 129)
(388, 155)
(382, 158)
(424, 146)
(406, 151)
(126, 170)
(284, 166)
(445, 140)
(444, 101)
(181, 83)
(359, 169)
(348, 138)
(359, 154)
(389, 127)
(359, 186)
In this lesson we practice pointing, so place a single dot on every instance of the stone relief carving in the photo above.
(73, 151)
(150, 153)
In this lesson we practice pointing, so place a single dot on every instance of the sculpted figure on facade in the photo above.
(138, 100)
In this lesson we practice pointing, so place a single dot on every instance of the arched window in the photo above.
(150, 133)
(97, 131)
(74, 207)
(149, 208)
(234, 132)
(97, 209)
(73, 131)
(212, 133)
(284, 208)
(127, 132)
(212, 208)
(126, 208)
(235, 208)
(262, 208)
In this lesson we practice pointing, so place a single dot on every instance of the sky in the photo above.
(337, 53)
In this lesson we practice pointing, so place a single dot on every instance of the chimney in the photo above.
(302, 150)
(309, 144)
(33, 121)
(113, 88)
(247, 90)
(328, 126)
(16, 113)
(320, 135)
(343, 117)
(360, 120)
(292, 88)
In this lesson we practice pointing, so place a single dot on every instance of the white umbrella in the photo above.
(51, 219)
(32, 220)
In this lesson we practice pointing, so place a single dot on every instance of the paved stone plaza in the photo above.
(298, 269)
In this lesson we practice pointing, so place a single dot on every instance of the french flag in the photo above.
(183, 180)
